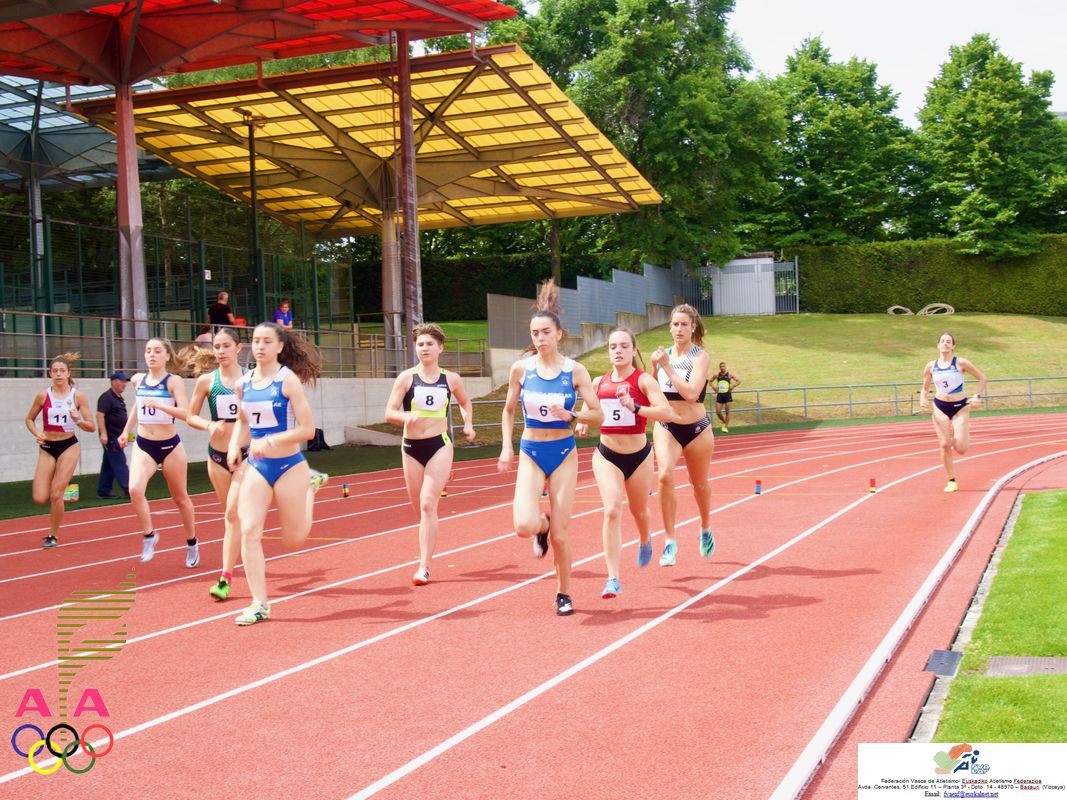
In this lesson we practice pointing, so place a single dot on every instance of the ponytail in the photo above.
(694, 315)
(68, 360)
(300, 355)
(547, 306)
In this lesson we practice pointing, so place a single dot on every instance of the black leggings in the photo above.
(626, 462)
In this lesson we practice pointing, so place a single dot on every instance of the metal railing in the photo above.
(29, 339)
(791, 404)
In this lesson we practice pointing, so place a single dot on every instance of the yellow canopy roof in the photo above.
(497, 141)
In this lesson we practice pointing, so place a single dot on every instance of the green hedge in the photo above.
(866, 278)
(455, 288)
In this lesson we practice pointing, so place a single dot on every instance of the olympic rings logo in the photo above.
(44, 742)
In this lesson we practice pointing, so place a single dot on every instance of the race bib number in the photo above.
(536, 405)
(59, 416)
(260, 414)
(616, 415)
(724, 386)
(430, 398)
(151, 416)
(665, 382)
(225, 406)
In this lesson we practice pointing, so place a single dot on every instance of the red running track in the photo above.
(704, 679)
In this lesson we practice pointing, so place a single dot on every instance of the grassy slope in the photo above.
(1023, 616)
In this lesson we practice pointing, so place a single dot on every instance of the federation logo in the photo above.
(959, 758)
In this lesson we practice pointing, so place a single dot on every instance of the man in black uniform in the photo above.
(110, 420)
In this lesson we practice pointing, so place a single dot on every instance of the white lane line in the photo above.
(680, 466)
(415, 763)
(819, 746)
(471, 730)
(429, 755)
(745, 498)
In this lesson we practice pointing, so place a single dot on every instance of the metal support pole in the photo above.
(409, 197)
(255, 268)
(132, 283)
(315, 319)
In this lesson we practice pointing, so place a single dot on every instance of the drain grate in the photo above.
(1008, 666)
(943, 662)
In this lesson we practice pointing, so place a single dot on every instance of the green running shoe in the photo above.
(318, 480)
(221, 590)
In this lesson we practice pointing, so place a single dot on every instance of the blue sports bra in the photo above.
(266, 410)
(539, 393)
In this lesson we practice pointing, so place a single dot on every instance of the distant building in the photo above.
(1060, 114)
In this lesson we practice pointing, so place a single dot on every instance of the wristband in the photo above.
(574, 414)
(637, 408)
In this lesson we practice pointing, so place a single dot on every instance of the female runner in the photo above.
(160, 395)
(952, 410)
(419, 401)
(273, 406)
(547, 446)
(622, 462)
(682, 370)
(63, 408)
(217, 388)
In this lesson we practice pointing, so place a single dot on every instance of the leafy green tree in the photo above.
(998, 156)
(844, 159)
(666, 85)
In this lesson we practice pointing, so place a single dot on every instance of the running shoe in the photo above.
(724, 429)
(221, 590)
(540, 541)
(707, 544)
(670, 554)
(148, 547)
(257, 612)
(611, 589)
(50, 542)
(318, 480)
(564, 607)
(444, 492)
(644, 553)
(951, 486)
(421, 577)
(192, 554)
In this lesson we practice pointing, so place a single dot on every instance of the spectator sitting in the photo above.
(203, 338)
(220, 313)
(283, 316)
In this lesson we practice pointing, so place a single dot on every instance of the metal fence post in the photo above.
(850, 402)
(1030, 390)
(896, 401)
(805, 402)
(315, 319)
(758, 416)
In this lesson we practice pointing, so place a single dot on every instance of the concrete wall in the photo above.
(337, 403)
(637, 301)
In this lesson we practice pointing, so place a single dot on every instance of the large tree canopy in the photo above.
(844, 159)
(997, 155)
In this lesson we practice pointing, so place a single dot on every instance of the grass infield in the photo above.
(1025, 614)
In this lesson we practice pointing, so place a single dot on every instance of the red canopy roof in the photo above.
(128, 42)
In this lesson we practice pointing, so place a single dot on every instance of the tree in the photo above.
(998, 156)
(665, 84)
(844, 159)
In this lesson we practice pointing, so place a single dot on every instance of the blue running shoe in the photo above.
(707, 544)
(670, 554)
(611, 589)
(644, 553)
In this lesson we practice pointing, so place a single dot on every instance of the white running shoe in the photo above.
(148, 547)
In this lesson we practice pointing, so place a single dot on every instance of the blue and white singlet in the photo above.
(538, 394)
(947, 380)
(266, 410)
